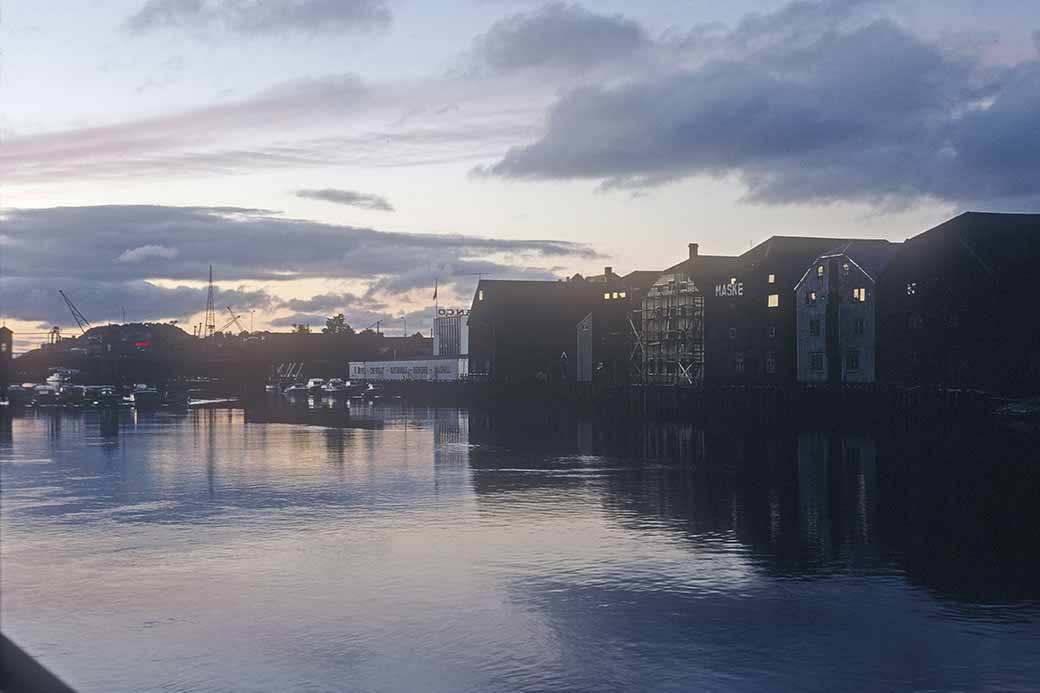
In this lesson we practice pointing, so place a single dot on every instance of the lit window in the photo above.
(814, 328)
(810, 297)
(480, 295)
(845, 270)
(911, 288)
(852, 360)
(859, 295)
(819, 271)
(615, 295)
(773, 300)
(606, 296)
(732, 280)
(816, 361)
(772, 279)
(622, 295)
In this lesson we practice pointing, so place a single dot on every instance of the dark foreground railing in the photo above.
(21, 673)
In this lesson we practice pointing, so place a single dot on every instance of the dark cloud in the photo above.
(808, 104)
(558, 35)
(113, 255)
(351, 198)
(253, 18)
(37, 298)
(329, 302)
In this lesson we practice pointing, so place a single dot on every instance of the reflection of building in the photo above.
(955, 303)
(418, 369)
(450, 437)
(451, 332)
(836, 302)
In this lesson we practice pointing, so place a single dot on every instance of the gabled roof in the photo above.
(1002, 244)
(871, 256)
(783, 247)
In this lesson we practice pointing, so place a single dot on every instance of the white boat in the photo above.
(315, 385)
(335, 387)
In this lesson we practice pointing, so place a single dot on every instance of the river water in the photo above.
(404, 549)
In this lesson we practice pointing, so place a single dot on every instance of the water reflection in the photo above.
(406, 548)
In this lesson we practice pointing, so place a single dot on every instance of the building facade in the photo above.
(6, 357)
(957, 306)
(836, 303)
(447, 368)
(451, 332)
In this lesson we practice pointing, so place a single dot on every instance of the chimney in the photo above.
(608, 272)
(693, 250)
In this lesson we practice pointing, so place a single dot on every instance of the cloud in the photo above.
(350, 198)
(263, 131)
(813, 104)
(146, 252)
(86, 249)
(558, 35)
(36, 298)
(266, 17)
(331, 301)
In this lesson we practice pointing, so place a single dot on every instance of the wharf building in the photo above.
(957, 306)
(451, 332)
(724, 320)
(525, 330)
(606, 336)
(6, 357)
(837, 306)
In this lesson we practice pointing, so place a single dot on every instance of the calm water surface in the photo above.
(440, 550)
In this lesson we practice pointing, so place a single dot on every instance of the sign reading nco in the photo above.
(730, 289)
(451, 312)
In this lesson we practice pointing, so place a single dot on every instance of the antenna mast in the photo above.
(211, 312)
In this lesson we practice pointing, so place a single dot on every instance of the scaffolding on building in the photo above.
(669, 348)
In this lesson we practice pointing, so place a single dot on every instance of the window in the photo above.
(772, 332)
(606, 296)
(911, 288)
(845, 270)
(738, 362)
(852, 360)
(810, 297)
(816, 361)
(859, 295)
(770, 363)
(480, 295)
(814, 328)
(732, 333)
(859, 326)
(622, 294)
(774, 299)
(914, 322)
(819, 271)
(772, 279)
(615, 295)
(732, 280)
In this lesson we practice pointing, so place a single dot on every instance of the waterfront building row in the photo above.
(951, 306)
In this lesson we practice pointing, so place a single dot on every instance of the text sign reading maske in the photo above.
(730, 289)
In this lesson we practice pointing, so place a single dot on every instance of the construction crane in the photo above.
(76, 315)
(234, 319)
